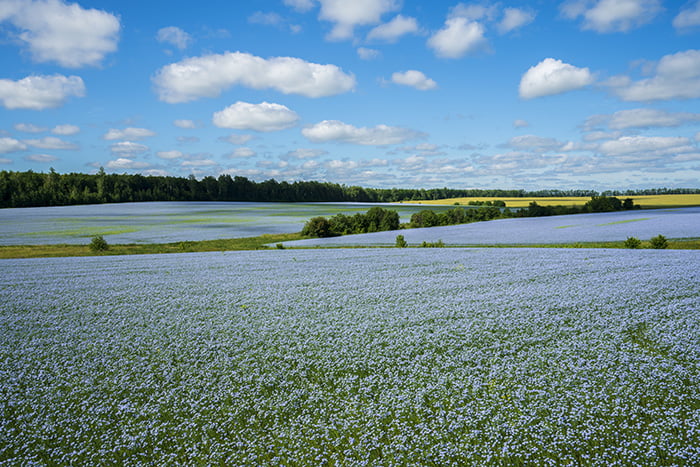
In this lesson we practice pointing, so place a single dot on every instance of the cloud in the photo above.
(128, 148)
(646, 147)
(51, 142)
(257, 117)
(380, 135)
(688, 17)
(535, 143)
(242, 153)
(677, 76)
(210, 75)
(611, 15)
(123, 163)
(66, 130)
(300, 5)
(367, 54)
(199, 163)
(520, 123)
(236, 139)
(347, 15)
(457, 38)
(42, 158)
(643, 118)
(415, 79)
(514, 18)
(552, 76)
(170, 155)
(303, 153)
(133, 134)
(67, 34)
(40, 92)
(188, 124)
(8, 145)
(29, 128)
(394, 29)
(174, 36)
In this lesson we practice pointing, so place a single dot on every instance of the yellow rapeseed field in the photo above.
(646, 201)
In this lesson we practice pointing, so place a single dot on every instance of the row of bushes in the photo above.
(377, 219)
(659, 242)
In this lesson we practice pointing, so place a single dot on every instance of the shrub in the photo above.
(280, 246)
(98, 243)
(401, 242)
(317, 227)
(438, 244)
(659, 242)
(633, 242)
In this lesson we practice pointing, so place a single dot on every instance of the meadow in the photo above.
(681, 223)
(645, 201)
(352, 357)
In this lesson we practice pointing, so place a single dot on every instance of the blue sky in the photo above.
(599, 94)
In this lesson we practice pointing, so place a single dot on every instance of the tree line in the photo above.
(23, 189)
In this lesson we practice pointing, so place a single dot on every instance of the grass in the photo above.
(624, 222)
(263, 242)
(646, 201)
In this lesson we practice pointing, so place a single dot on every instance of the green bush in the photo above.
(98, 243)
(633, 242)
(659, 242)
(401, 242)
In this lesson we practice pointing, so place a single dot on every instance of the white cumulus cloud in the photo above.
(611, 15)
(380, 135)
(367, 54)
(40, 92)
(64, 33)
(66, 130)
(170, 155)
(174, 36)
(649, 118)
(394, 29)
(347, 15)
(29, 128)
(42, 158)
(688, 18)
(128, 148)
(257, 117)
(677, 76)
(552, 76)
(415, 79)
(647, 146)
(123, 163)
(8, 145)
(514, 18)
(133, 134)
(457, 38)
(242, 153)
(188, 124)
(51, 142)
(210, 75)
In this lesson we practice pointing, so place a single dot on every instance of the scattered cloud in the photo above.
(368, 54)
(210, 75)
(170, 155)
(236, 139)
(676, 76)
(242, 153)
(66, 130)
(300, 5)
(514, 18)
(42, 158)
(688, 18)
(520, 124)
(457, 38)
(6, 161)
(40, 92)
(123, 163)
(642, 118)
(611, 15)
(29, 128)
(348, 15)
(257, 117)
(380, 135)
(415, 79)
(304, 153)
(394, 29)
(132, 134)
(186, 124)
(535, 143)
(128, 148)
(647, 147)
(174, 36)
(552, 76)
(67, 34)
(51, 142)
(8, 145)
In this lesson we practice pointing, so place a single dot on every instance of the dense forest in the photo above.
(22, 189)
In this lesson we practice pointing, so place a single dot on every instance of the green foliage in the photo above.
(280, 246)
(317, 227)
(376, 219)
(98, 243)
(438, 244)
(633, 242)
(401, 241)
(427, 218)
(659, 242)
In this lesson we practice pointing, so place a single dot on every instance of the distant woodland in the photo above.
(24, 189)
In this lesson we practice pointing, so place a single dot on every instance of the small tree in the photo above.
(317, 227)
(401, 242)
(659, 242)
(98, 243)
(633, 242)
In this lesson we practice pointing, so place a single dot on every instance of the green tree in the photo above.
(401, 242)
(659, 242)
(98, 243)
(317, 227)
(633, 242)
